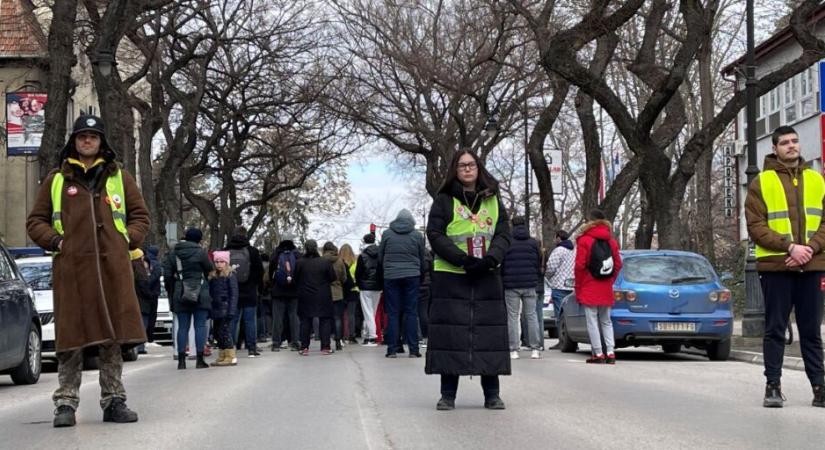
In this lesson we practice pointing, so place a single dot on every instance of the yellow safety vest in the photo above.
(115, 192)
(779, 220)
(466, 225)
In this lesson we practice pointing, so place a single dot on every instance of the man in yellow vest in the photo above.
(784, 215)
(90, 212)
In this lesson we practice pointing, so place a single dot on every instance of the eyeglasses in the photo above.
(467, 166)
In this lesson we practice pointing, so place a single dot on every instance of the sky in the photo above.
(378, 194)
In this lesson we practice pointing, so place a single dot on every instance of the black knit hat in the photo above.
(193, 234)
(88, 123)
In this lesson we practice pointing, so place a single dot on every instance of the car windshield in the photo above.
(38, 276)
(667, 269)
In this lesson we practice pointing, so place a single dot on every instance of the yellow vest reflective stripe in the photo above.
(779, 220)
(464, 227)
(117, 201)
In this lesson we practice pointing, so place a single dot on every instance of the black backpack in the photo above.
(601, 259)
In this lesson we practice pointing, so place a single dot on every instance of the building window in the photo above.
(790, 88)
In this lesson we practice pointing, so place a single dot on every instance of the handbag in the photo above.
(191, 288)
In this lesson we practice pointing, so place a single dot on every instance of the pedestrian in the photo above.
(520, 272)
(469, 232)
(368, 279)
(249, 269)
(264, 302)
(559, 274)
(186, 272)
(596, 267)
(284, 294)
(401, 255)
(337, 290)
(789, 259)
(223, 289)
(96, 310)
(155, 275)
(351, 295)
(140, 269)
(314, 276)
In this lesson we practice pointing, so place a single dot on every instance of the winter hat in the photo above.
(193, 234)
(221, 256)
(88, 123)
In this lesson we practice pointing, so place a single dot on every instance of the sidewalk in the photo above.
(750, 349)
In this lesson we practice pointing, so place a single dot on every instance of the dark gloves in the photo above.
(479, 266)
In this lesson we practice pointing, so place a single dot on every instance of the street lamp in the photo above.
(105, 62)
(753, 322)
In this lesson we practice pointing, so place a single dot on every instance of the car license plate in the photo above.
(670, 327)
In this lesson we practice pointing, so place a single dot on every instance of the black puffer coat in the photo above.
(314, 276)
(468, 317)
(224, 293)
(521, 268)
(196, 264)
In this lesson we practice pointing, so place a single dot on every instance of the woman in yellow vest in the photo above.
(469, 233)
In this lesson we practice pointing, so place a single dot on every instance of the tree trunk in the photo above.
(704, 200)
(644, 233)
(59, 83)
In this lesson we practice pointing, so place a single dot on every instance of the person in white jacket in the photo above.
(560, 272)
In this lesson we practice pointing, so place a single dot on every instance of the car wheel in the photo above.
(566, 345)
(130, 355)
(672, 348)
(719, 351)
(28, 372)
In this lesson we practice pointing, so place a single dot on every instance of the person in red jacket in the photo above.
(597, 264)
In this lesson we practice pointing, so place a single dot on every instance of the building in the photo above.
(796, 102)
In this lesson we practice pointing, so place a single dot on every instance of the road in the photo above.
(357, 399)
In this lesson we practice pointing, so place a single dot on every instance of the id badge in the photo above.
(476, 246)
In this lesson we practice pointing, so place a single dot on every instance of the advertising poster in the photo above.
(25, 121)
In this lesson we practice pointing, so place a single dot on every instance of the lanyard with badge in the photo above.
(476, 245)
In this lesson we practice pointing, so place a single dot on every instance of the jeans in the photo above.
(325, 329)
(288, 306)
(146, 321)
(599, 317)
(449, 385)
(339, 308)
(369, 304)
(801, 291)
(184, 321)
(401, 295)
(248, 315)
(517, 300)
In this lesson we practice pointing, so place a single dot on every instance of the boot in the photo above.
(201, 363)
(773, 396)
(221, 361)
(819, 396)
(445, 403)
(338, 345)
(64, 416)
(118, 412)
(494, 402)
(181, 360)
(231, 357)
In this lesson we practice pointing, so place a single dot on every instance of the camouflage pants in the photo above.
(70, 369)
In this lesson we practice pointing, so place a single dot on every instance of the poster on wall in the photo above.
(25, 122)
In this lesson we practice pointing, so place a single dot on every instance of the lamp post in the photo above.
(105, 61)
(753, 322)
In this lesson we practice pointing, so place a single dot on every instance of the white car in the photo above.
(37, 271)
(163, 322)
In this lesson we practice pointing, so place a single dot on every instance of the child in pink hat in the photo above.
(223, 287)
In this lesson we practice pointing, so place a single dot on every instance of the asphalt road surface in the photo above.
(357, 399)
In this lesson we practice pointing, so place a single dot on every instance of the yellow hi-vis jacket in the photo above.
(114, 190)
(466, 225)
(779, 220)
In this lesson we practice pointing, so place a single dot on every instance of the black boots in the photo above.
(819, 396)
(773, 396)
(445, 403)
(201, 364)
(493, 402)
(338, 345)
(118, 412)
(182, 361)
(64, 416)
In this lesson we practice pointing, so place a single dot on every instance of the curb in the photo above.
(789, 362)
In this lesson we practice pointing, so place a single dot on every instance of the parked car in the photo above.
(163, 322)
(37, 271)
(663, 297)
(548, 312)
(20, 330)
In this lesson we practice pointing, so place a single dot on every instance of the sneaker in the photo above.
(445, 404)
(275, 348)
(773, 396)
(415, 354)
(253, 354)
(819, 396)
(118, 412)
(514, 355)
(64, 416)
(596, 359)
(326, 352)
(304, 352)
(610, 358)
(535, 354)
(371, 343)
(390, 355)
(494, 402)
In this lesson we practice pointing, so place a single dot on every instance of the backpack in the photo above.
(601, 259)
(240, 260)
(286, 266)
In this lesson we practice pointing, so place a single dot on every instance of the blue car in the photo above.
(663, 297)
